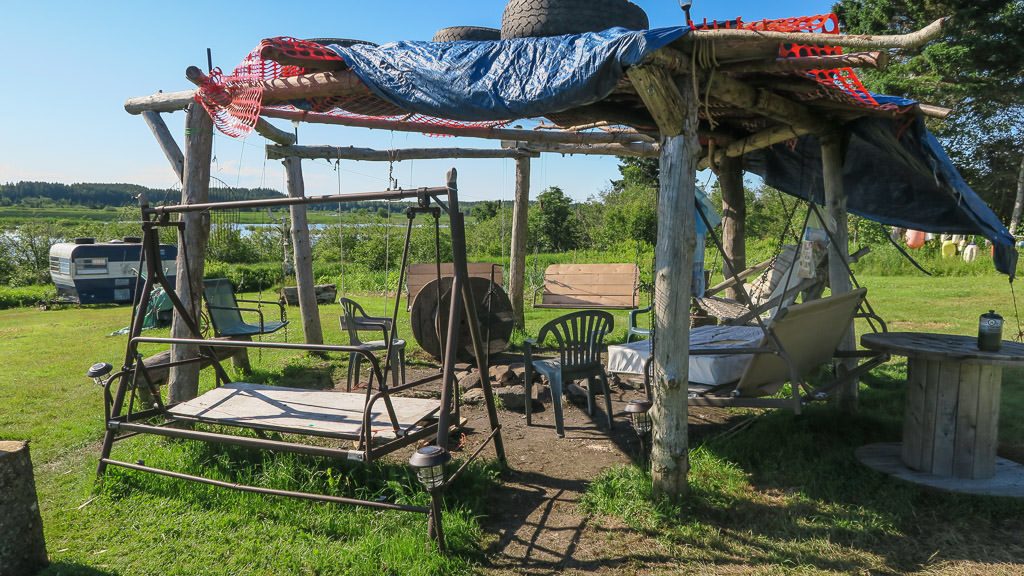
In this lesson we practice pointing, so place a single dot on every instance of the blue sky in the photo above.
(70, 65)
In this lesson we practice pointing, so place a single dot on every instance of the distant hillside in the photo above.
(50, 194)
(42, 194)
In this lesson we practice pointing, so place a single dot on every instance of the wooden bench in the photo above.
(422, 274)
(589, 286)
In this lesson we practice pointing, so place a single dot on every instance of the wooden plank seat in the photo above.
(422, 274)
(589, 286)
(301, 411)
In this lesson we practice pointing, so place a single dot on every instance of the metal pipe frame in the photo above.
(120, 426)
(301, 201)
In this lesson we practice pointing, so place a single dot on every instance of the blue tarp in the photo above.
(894, 174)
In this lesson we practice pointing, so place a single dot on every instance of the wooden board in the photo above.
(590, 286)
(422, 274)
(943, 347)
(299, 411)
(1007, 481)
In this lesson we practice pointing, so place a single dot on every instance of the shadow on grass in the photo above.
(72, 569)
(787, 492)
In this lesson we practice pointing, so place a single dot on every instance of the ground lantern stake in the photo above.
(428, 462)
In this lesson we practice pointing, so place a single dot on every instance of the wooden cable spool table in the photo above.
(951, 417)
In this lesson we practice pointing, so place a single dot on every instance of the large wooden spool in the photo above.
(429, 317)
(22, 548)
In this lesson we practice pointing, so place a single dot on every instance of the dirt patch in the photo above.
(535, 524)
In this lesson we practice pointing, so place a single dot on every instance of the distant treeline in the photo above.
(47, 194)
(42, 194)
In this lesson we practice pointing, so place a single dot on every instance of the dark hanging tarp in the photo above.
(896, 172)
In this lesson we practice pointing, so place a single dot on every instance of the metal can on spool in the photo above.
(990, 332)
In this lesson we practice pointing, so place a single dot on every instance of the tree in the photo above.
(557, 228)
(977, 69)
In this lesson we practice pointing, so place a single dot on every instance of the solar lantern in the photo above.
(639, 416)
(97, 371)
(428, 462)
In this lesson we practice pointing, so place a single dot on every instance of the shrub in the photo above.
(24, 296)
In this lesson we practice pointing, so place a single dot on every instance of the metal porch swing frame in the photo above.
(133, 405)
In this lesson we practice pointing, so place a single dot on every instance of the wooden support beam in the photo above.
(634, 149)
(517, 253)
(764, 139)
(195, 189)
(465, 131)
(734, 219)
(303, 251)
(342, 83)
(933, 111)
(673, 60)
(851, 41)
(875, 59)
(160, 102)
(166, 141)
(658, 90)
(764, 102)
(370, 155)
(672, 275)
(832, 160)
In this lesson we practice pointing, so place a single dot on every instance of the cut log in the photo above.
(158, 375)
(22, 547)
(325, 294)
(875, 59)
(853, 41)
(734, 217)
(634, 149)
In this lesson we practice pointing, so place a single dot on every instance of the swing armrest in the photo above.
(277, 303)
(256, 310)
(740, 277)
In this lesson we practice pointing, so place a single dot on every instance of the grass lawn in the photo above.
(783, 494)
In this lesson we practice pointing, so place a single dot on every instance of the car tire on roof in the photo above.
(525, 18)
(457, 33)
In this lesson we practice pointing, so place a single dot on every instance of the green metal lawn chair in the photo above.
(226, 315)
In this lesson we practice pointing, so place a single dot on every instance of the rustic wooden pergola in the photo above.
(704, 101)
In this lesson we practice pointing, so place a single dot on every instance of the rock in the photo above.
(469, 380)
(518, 368)
(512, 397)
(503, 376)
(474, 396)
(575, 392)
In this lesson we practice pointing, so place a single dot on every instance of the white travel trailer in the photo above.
(87, 272)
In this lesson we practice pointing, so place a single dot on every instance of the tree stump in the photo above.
(22, 548)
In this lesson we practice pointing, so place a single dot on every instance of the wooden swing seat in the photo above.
(422, 274)
(589, 286)
(299, 411)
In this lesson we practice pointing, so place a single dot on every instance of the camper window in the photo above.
(91, 266)
(60, 265)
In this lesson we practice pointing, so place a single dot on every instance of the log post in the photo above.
(22, 547)
(195, 189)
(832, 158)
(517, 253)
(303, 255)
(166, 141)
(676, 113)
(734, 219)
(1018, 204)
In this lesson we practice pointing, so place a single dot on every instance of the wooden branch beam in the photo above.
(160, 102)
(634, 149)
(764, 102)
(851, 41)
(671, 59)
(764, 139)
(932, 111)
(318, 85)
(468, 132)
(658, 90)
(166, 141)
(371, 155)
(875, 59)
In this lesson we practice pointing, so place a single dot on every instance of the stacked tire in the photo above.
(459, 33)
(526, 18)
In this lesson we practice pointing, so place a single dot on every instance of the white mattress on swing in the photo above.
(301, 411)
(711, 370)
